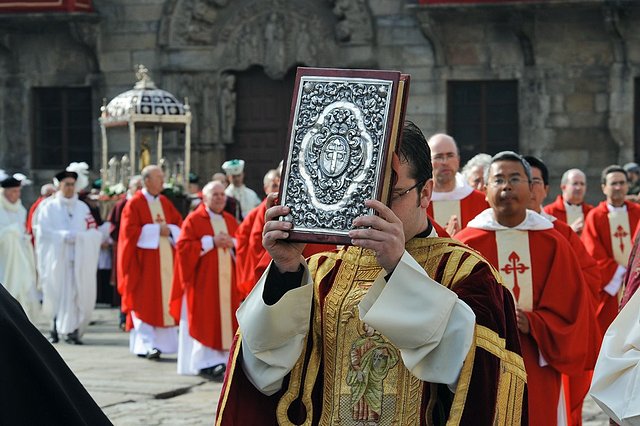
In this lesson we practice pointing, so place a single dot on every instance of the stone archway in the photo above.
(262, 119)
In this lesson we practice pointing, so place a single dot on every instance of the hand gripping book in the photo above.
(344, 127)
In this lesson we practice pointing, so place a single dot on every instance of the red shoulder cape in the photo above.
(470, 206)
(557, 209)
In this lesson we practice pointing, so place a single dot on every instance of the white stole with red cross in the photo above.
(514, 261)
(443, 210)
(620, 233)
(224, 283)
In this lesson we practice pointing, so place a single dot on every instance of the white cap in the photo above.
(233, 167)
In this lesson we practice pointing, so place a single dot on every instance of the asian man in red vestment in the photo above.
(149, 230)
(453, 203)
(607, 235)
(570, 206)
(539, 267)
(205, 297)
(576, 387)
(400, 325)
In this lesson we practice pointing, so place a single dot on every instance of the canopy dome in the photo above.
(145, 101)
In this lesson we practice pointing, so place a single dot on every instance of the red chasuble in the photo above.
(597, 238)
(559, 315)
(246, 259)
(470, 206)
(558, 210)
(576, 387)
(139, 269)
(485, 388)
(32, 210)
(197, 276)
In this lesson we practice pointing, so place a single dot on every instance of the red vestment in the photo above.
(470, 206)
(558, 321)
(197, 276)
(242, 404)
(596, 237)
(139, 269)
(577, 386)
(247, 256)
(558, 210)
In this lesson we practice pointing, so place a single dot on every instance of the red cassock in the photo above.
(578, 386)
(32, 210)
(197, 277)
(596, 237)
(247, 256)
(557, 209)
(470, 206)
(559, 320)
(139, 269)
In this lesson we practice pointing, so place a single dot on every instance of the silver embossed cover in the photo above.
(340, 138)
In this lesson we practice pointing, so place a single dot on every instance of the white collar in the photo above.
(532, 222)
(148, 196)
(547, 216)
(8, 205)
(461, 190)
(212, 213)
(612, 208)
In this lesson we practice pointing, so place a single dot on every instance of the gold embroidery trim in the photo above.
(232, 368)
(460, 397)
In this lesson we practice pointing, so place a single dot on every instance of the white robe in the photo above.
(17, 263)
(615, 385)
(247, 198)
(67, 253)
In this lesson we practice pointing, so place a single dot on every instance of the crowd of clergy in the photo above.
(181, 280)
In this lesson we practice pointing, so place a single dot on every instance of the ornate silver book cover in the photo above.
(338, 137)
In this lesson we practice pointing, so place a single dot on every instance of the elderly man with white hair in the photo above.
(17, 264)
(205, 295)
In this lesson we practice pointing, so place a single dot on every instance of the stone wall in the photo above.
(575, 64)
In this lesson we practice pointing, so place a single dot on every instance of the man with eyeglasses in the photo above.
(539, 267)
(575, 386)
(453, 203)
(570, 206)
(607, 236)
(390, 327)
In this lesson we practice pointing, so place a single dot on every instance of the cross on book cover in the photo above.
(344, 126)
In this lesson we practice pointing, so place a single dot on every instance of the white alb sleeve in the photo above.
(150, 236)
(273, 336)
(434, 332)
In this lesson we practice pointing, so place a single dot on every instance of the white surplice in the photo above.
(17, 263)
(615, 385)
(67, 253)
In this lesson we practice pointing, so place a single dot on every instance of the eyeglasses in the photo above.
(537, 181)
(397, 195)
(444, 157)
(513, 181)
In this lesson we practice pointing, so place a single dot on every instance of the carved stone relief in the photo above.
(354, 22)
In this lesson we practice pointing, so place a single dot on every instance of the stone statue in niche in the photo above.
(275, 44)
(227, 108)
(355, 25)
(305, 49)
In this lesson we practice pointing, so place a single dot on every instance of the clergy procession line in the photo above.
(465, 301)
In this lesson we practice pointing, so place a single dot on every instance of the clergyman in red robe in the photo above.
(539, 267)
(149, 229)
(607, 235)
(205, 297)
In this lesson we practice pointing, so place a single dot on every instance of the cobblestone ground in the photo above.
(135, 391)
